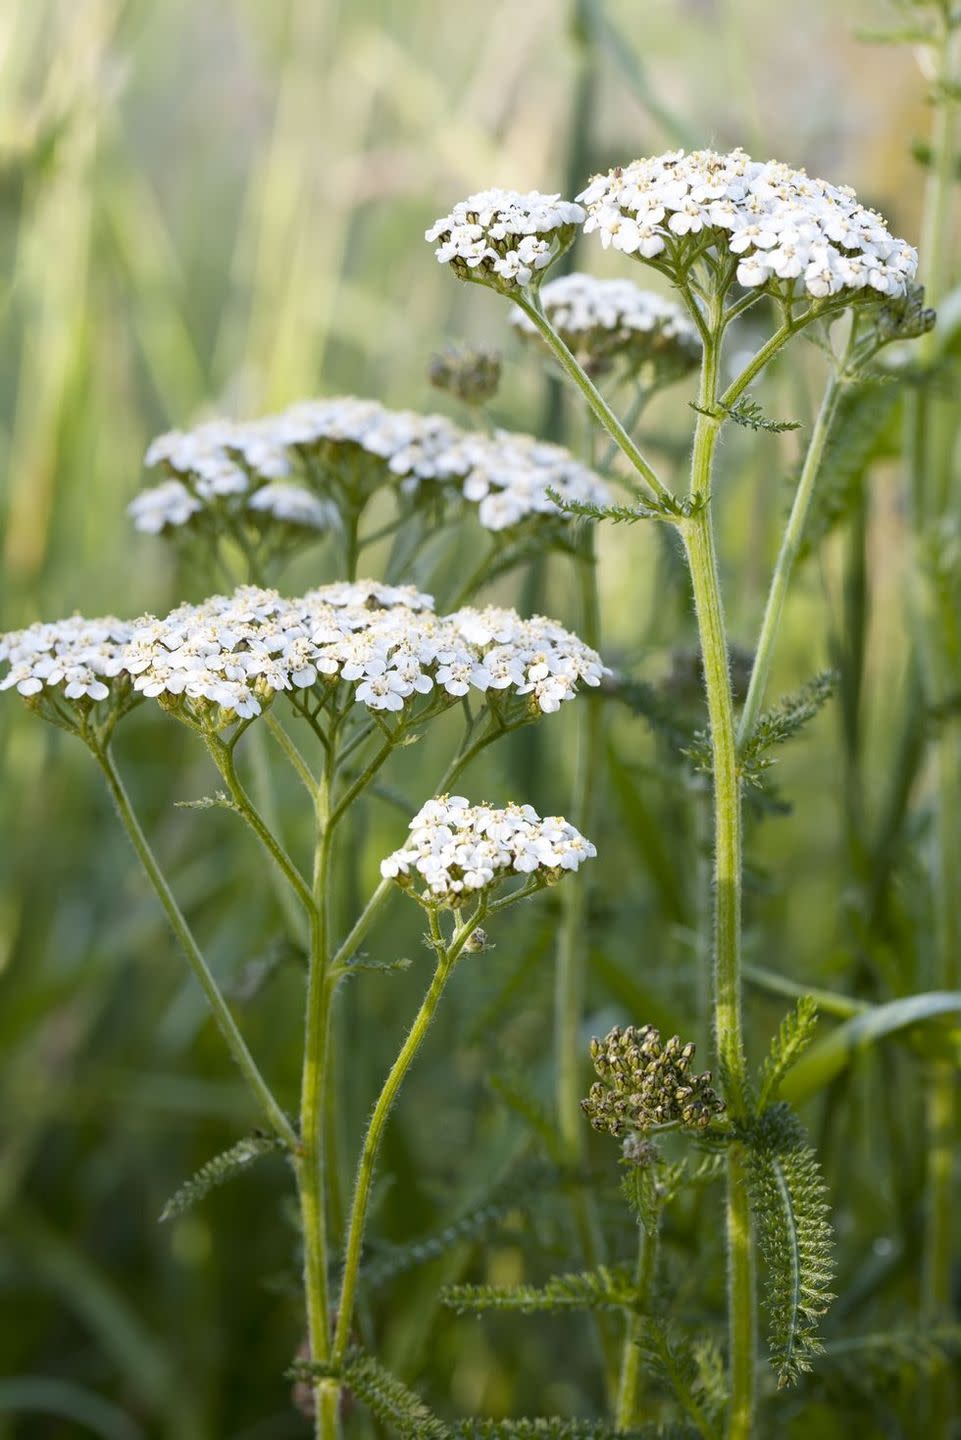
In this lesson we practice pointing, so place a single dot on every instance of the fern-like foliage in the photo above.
(518, 1193)
(692, 1370)
(550, 1427)
(782, 722)
(667, 507)
(794, 1035)
(218, 1171)
(862, 431)
(795, 1238)
(528, 1107)
(387, 1398)
(606, 1288)
(750, 416)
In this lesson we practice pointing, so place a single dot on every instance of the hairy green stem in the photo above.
(698, 536)
(628, 1390)
(930, 430)
(223, 757)
(312, 1175)
(446, 958)
(531, 305)
(787, 556)
(226, 1024)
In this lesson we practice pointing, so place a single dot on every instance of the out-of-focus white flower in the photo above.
(780, 225)
(346, 448)
(614, 322)
(460, 851)
(505, 238)
(169, 503)
(293, 505)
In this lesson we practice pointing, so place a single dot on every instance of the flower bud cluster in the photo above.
(504, 238)
(614, 322)
(459, 850)
(224, 659)
(644, 1084)
(472, 376)
(345, 449)
(780, 226)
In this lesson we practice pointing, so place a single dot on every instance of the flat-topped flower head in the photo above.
(66, 669)
(504, 238)
(644, 1083)
(457, 852)
(777, 227)
(361, 642)
(340, 452)
(609, 324)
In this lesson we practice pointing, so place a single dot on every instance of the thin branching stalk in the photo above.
(447, 955)
(929, 483)
(787, 556)
(629, 1384)
(313, 1197)
(225, 1021)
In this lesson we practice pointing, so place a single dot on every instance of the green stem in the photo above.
(226, 1024)
(313, 1199)
(787, 556)
(223, 757)
(446, 959)
(598, 406)
(629, 1386)
(698, 536)
(288, 746)
(931, 430)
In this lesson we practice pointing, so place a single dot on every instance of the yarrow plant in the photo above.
(341, 680)
(725, 231)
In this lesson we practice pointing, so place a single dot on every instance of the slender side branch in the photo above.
(787, 556)
(446, 959)
(223, 757)
(226, 1024)
(598, 405)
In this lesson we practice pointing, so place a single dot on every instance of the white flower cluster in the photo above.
(237, 651)
(456, 847)
(603, 321)
(75, 655)
(504, 234)
(507, 475)
(781, 224)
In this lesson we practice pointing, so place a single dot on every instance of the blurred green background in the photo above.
(219, 208)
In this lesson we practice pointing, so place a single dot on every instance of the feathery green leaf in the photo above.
(606, 1288)
(794, 1035)
(794, 1235)
(218, 1171)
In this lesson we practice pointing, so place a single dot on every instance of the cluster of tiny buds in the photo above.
(504, 238)
(644, 1084)
(345, 448)
(607, 323)
(459, 850)
(471, 376)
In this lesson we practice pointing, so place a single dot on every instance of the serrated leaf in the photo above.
(606, 1288)
(387, 1398)
(218, 801)
(795, 1033)
(782, 723)
(794, 1236)
(218, 1171)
